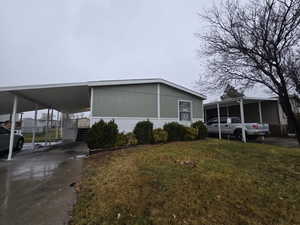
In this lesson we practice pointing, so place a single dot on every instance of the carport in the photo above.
(256, 111)
(65, 98)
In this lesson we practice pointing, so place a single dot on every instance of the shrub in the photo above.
(190, 133)
(131, 139)
(160, 136)
(143, 132)
(102, 135)
(202, 129)
(121, 140)
(175, 131)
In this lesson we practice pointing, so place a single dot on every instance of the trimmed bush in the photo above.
(143, 132)
(121, 140)
(160, 136)
(175, 131)
(202, 129)
(131, 139)
(102, 135)
(190, 134)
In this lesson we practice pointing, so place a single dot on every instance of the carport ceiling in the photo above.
(69, 98)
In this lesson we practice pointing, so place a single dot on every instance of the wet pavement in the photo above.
(287, 142)
(35, 187)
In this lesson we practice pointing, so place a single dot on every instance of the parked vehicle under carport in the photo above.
(4, 141)
(232, 126)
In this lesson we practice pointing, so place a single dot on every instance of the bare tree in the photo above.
(255, 43)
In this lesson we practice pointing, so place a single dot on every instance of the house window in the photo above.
(185, 110)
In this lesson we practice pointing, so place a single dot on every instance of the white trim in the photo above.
(178, 103)
(91, 106)
(158, 101)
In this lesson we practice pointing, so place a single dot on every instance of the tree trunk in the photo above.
(291, 116)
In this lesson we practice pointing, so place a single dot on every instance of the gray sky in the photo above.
(78, 40)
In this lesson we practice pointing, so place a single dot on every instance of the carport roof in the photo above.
(235, 101)
(67, 97)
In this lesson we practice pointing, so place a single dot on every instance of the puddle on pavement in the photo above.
(34, 171)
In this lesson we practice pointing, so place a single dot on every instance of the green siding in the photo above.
(125, 101)
(169, 102)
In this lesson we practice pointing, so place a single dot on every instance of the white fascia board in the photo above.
(42, 86)
(103, 83)
(235, 100)
(145, 81)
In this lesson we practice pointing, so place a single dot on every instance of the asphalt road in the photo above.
(35, 187)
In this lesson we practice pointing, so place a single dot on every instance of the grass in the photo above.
(40, 137)
(205, 182)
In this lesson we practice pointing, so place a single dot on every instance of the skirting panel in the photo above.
(127, 124)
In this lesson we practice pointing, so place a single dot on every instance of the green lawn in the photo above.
(204, 182)
(40, 137)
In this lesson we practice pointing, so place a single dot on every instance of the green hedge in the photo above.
(175, 131)
(202, 129)
(103, 135)
(144, 132)
(160, 136)
(190, 134)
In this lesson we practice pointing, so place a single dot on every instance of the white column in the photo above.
(12, 128)
(47, 128)
(51, 125)
(243, 120)
(61, 124)
(219, 121)
(260, 116)
(91, 107)
(158, 101)
(34, 128)
(57, 125)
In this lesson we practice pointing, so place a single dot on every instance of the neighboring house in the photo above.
(271, 112)
(159, 101)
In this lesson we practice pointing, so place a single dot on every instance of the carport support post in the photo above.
(260, 116)
(47, 128)
(34, 128)
(219, 121)
(243, 120)
(12, 128)
(57, 126)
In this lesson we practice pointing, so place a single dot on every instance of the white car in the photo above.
(232, 126)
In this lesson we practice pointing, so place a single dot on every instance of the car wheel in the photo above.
(19, 145)
(238, 135)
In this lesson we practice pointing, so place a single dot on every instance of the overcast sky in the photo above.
(54, 41)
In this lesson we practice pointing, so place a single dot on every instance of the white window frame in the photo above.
(178, 109)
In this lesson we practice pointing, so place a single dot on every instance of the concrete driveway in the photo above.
(35, 187)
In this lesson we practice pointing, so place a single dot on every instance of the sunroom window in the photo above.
(185, 110)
